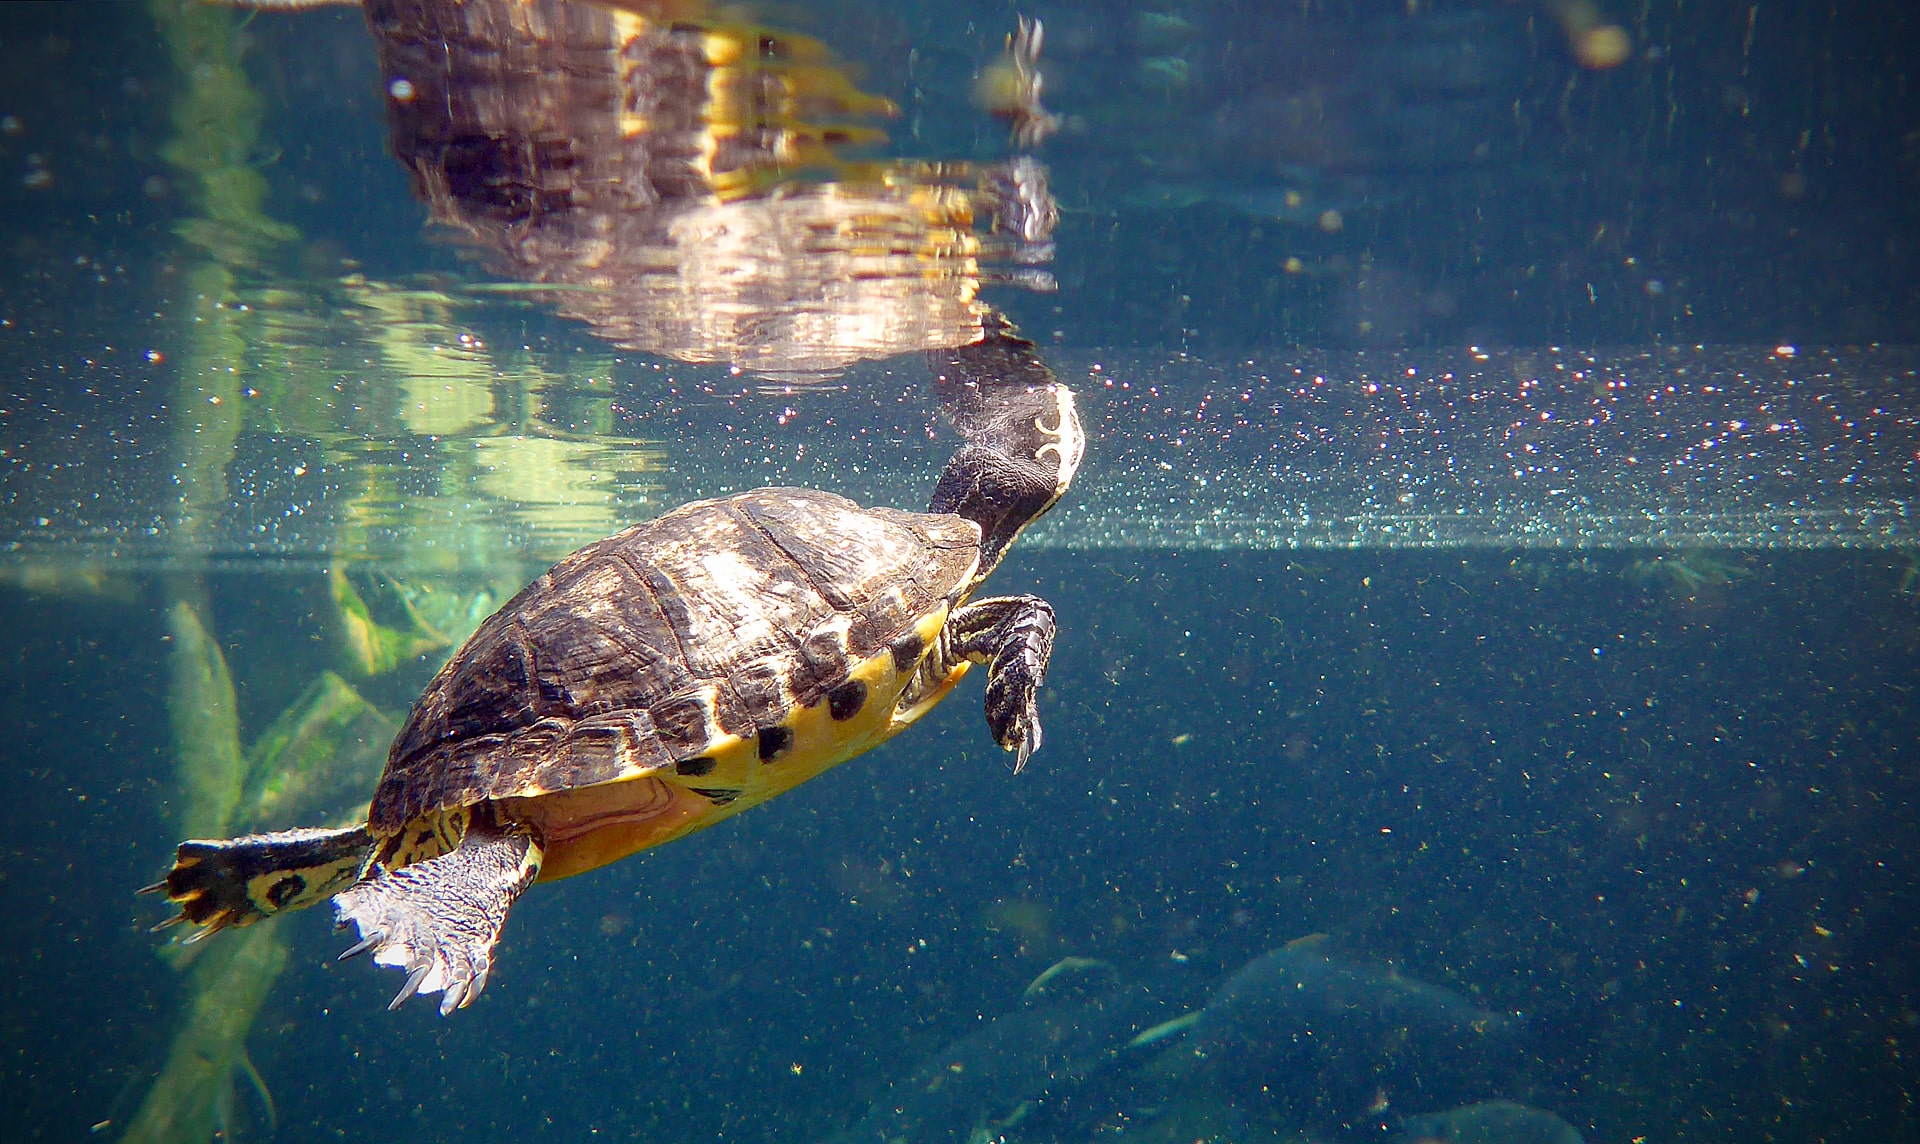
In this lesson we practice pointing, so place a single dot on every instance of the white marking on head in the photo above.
(1069, 442)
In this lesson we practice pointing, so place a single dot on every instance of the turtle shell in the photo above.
(722, 624)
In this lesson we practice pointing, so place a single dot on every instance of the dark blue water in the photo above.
(1676, 831)
(1658, 802)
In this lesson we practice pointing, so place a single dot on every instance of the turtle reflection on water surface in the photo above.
(671, 676)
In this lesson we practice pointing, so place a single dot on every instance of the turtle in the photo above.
(670, 676)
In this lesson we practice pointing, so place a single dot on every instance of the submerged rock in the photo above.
(1072, 1023)
(1316, 1041)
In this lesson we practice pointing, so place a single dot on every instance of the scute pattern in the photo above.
(717, 618)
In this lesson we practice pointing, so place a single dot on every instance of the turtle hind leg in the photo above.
(1013, 637)
(238, 881)
(439, 919)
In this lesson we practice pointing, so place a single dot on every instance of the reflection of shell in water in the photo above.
(805, 283)
(684, 189)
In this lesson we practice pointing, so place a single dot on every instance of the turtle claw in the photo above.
(361, 946)
(412, 986)
(203, 933)
(1029, 740)
(1014, 717)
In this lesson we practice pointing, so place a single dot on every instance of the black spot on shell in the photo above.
(846, 700)
(774, 740)
(907, 650)
(698, 765)
(285, 890)
(719, 796)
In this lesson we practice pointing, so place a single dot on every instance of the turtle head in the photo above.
(1023, 440)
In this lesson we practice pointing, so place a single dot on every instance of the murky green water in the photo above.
(1494, 561)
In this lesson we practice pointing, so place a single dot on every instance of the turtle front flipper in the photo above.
(238, 881)
(1013, 637)
(439, 919)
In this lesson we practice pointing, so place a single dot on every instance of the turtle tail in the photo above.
(238, 881)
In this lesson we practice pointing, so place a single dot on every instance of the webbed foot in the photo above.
(440, 919)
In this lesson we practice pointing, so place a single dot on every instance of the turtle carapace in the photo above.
(671, 676)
